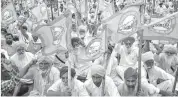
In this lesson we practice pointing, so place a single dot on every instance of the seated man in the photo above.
(99, 84)
(129, 87)
(42, 75)
(61, 88)
(157, 76)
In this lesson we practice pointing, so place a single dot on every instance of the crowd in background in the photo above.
(25, 71)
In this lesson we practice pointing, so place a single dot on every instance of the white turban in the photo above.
(49, 59)
(98, 69)
(82, 27)
(147, 56)
(20, 44)
(170, 48)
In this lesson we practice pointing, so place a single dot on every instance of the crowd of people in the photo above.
(25, 71)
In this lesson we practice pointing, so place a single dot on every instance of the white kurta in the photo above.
(40, 84)
(77, 90)
(21, 63)
(109, 89)
(157, 73)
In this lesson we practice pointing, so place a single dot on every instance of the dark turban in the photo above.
(130, 72)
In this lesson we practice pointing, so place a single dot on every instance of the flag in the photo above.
(39, 13)
(123, 23)
(55, 35)
(95, 48)
(163, 29)
(8, 14)
(84, 6)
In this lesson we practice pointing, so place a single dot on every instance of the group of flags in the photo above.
(120, 25)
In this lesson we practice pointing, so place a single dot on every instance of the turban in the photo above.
(98, 69)
(84, 28)
(170, 48)
(129, 39)
(64, 70)
(19, 44)
(147, 56)
(49, 59)
(130, 72)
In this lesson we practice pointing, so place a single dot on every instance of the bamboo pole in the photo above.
(52, 10)
(140, 33)
(105, 61)
(175, 81)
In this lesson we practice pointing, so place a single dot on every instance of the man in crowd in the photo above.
(168, 59)
(99, 84)
(61, 87)
(21, 58)
(42, 75)
(130, 85)
(157, 76)
(8, 45)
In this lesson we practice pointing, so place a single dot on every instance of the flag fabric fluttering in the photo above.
(40, 13)
(55, 35)
(123, 23)
(95, 48)
(162, 29)
(8, 14)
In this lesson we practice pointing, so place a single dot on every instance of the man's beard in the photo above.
(170, 60)
(131, 86)
(21, 56)
(9, 42)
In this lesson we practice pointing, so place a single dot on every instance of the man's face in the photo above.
(35, 38)
(20, 50)
(65, 78)
(149, 64)
(97, 79)
(128, 44)
(44, 65)
(82, 33)
(74, 28)
(9, 39)
(131, 82)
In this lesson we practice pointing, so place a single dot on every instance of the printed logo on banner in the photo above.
(7, 15)
(128, 23)
(94, 47)
(57, 32)
(165, 27)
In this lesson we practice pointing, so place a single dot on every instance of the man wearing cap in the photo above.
(157, 76)
(129, 87)
(61, 88)
(21, 58)
(99, 84)
(168, 59)
(42, 75)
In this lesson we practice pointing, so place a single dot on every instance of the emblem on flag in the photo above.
(128, 23)
(58, 32)
(165, 27)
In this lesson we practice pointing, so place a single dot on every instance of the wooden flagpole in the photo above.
(105, 61)
(175, 81)
(140, 33)
(52, 10)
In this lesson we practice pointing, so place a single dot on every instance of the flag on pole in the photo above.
(8, 14)
(123, 23)
(162, 29)
(40, 13)
(55, 35)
